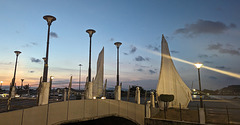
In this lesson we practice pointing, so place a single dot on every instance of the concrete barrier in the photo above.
(38, 115)
(57, 112)
(75, 110)
(90, 108)
(11, 118)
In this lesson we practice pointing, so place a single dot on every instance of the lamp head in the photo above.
(17, 52)
(90, 32)
(198, 65)
(51, 77)
(1, 81)
(80, 65)
(22, 80)
(117, 44)
(49, 19)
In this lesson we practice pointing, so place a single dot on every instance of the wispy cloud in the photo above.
(212, 77)
(132, 50)
(31, 71)
(154, 48)
(202, 56)
(174, 51)
(208, 62)
(112, 39)
(34, 60)
(205, 26)
(140, 70)
(53, 34)
(152, 71)
(30, 44)
(140, 58)
(9, 63)
(220, 49)
(222, 67)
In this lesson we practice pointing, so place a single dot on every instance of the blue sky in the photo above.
(196, 31)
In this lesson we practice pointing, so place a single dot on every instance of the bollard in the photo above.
(152, 100)
(148, 109)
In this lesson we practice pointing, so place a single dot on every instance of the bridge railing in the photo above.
(74, 110)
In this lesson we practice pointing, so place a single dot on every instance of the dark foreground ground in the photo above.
(113, 120)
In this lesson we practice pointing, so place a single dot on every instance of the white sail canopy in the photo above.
(98, 82)
(170, 81)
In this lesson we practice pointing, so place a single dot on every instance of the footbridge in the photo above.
(74, 111)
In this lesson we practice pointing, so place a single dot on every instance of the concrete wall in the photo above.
(153, 121)
(40, 113)
(11, 118)
(76, 110)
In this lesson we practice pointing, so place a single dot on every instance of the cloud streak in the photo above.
(152, 71)
(154, 48)
(219, 47)
(204, 27)
(132, 50)
(53, 34)
(140, 58)
(34, 60)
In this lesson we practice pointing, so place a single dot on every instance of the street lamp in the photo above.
(1, 85)
(117, 44)
(90, 32)
(22, 83)
(79, 75)
(198, 66)
(13, 80)
(49, 20)
(51, 78)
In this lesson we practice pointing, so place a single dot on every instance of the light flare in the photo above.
(187, 62)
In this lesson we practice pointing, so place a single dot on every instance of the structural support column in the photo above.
(152, 100)
(117, 92)
(137, 95)
(201, 116)
(44, 93)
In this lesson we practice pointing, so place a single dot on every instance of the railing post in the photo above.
(148, 109)
(180, 111)
(227, 115)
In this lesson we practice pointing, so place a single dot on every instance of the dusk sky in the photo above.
(206, 31)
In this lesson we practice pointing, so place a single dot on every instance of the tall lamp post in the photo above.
(13, 80)
(51, 78)
(22, 83)
(49, 20)
(199, 65)
(79, 75)
(90, 32)
(1, 85)
(118, 44)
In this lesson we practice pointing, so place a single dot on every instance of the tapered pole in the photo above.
(45, 72)
(200, 88)
(49, 20)
(117, 66)
(13, 81)
(90, 32)
(80, 77)
(118, 44)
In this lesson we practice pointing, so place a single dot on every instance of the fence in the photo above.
(218, 114)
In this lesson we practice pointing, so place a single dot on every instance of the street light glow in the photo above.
(51, 77)
(198, 65)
